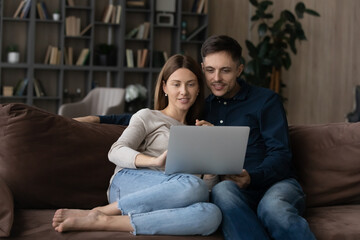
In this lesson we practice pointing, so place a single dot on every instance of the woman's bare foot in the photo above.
(62, 214)
(95, 221)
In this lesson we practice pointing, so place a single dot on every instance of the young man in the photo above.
(265, 201)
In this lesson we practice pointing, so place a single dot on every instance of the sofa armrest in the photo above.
(6, 209)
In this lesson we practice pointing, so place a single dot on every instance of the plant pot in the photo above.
(13, 57)
(56, 16)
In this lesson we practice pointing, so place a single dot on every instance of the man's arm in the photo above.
(274, 130)
(119, 119)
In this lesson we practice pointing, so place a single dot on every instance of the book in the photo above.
(21, 88)
(71, 3)
(146, 30)
(144, 56)
(85, 29)
(200, 6)
(107, 14)
(40, 11)
(193, 34)
(82, 57)
(44, 10)
(132, 32)
(135, 3)
(18, 10)
(26, 9)
(118, 14)
(47, 55)
(54, 55)
(129, 58)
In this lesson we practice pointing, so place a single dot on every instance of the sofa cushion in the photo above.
(6, 209)
(49, 161)
(335, 222)
(327, 159)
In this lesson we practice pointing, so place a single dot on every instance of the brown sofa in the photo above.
(49, 162)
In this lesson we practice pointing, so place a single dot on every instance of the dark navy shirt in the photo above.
(268, 155)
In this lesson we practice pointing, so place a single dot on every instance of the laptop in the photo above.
(206, 149)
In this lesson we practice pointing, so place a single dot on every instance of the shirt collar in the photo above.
(241, 95)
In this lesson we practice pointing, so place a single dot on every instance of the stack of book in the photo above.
(42, 11)
(23, 9)
(112, 14)
(53, 55)
(140, 32)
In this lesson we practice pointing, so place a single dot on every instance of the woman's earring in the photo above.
(165, 94)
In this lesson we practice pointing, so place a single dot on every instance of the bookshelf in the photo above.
(63, 59)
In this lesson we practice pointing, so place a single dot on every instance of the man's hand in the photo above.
(202, 123)
(242, 180)
(89, 119)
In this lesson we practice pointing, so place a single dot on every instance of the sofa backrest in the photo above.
(327, 160)
(49, 161)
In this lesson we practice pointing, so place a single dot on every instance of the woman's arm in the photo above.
(143, 160)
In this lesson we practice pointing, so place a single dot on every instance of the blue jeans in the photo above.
(275, 214)
(174, 204)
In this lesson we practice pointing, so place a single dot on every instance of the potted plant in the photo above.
(56, 15)
(276, 39)
(13, 55)
(105, 54)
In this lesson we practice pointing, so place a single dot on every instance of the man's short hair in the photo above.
(218, 43)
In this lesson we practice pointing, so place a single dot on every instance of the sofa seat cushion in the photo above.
(49, 161)
(36, 224)
(6, 209)
(327, 160)
(334, 223)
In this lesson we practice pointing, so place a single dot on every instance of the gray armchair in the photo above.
(99, 101)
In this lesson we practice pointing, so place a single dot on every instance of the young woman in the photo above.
(143, 200)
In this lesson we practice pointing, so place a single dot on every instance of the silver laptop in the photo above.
(206, 149)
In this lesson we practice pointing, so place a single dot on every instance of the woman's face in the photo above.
(182, 88)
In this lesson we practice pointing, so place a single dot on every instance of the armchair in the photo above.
(99, 101)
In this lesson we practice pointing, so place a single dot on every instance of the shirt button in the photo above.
(225, 103)
(221, 121)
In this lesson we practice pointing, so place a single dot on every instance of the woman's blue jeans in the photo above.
(275, 214)
(174, 204)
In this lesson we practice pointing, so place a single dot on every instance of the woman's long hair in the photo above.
(172, 64)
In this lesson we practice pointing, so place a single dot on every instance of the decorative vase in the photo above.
(56, 16)
(13, 57)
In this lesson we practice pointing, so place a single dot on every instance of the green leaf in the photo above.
(300, 9)
(252, 49)
(254, 2)
(263, 49)
(286, 61)
(277, 25)
(267, 62)
(312, 12)
(288, 15)
(255, 17)
(268, 16)
(249, 68)
(265, 4)
(262, 29)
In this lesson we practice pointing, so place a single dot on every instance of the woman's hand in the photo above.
(203, 123)
(142, 160)
(160, 160)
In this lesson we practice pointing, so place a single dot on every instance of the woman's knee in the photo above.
(210, 217)
(194, 187)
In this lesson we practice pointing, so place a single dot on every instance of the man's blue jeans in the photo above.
(175, 204)
(275, 214)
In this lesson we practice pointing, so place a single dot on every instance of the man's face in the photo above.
(221, 72)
